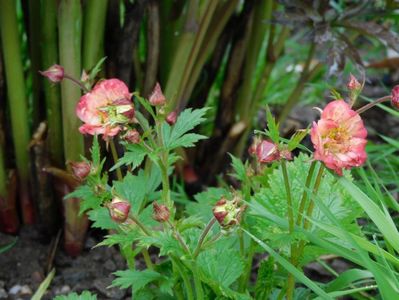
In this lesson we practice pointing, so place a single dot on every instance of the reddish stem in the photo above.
(375, 102)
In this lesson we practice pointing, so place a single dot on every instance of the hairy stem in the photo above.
(371, 104)
(204, 233)
(115, 158)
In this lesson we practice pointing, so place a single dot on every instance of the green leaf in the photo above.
(239, 168)
(44, 286)
(5, 248)
(173, 136)
(135, 279)
(86, 295)
(122, 238)
(97, 68)
(101, 218)
(133, 189)
(265, 279)
(166, 243)
(134, 156)
(95, 152)
(89, 199)
(223, 266)
(272, 127)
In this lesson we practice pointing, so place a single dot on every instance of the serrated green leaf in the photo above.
(135, 279)
(101, 218)
(133, 156)
(95, 152)
(238, 167)
(223, 266)
(272, 127)
(265, 279)
(165, 242)
(296, 139)
(96, 69)
(173, 136)
(86, 295)
(122, 238)
(188, 140)
(133, 189)
(89, 200)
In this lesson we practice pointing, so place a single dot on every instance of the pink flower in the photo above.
(339, 137)
(105, 108)
(353, 83)
(55, 73)
(395, 96)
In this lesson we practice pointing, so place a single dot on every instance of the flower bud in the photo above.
(171, 118)
(80, 170)
(55, 73)
(252, 148)
(119, 210)
(353, 84)
(161, 212)
(157, 97)
(267, 152)
(395, 97)
(132, 136)
(228, 212)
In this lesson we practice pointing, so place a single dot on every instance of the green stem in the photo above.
(134, 219)
(184, 276)
(204, 233)
(197, 283)
(179, 238)
(147, 259)
(17, 101)
(291, 279)
(94, 25)
(248, 267)
(304, 198)
(115, 158)
(49, 50)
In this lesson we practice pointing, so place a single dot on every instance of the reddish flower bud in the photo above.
(171, 118)
(267, 152)
(55, 73)
(252, 148)
(132, 136)
(161, 212)
(157, 97)
(228, 213)
(353, 84)
(395, 97)
(80, 170)
(286, 154)
(119, 210)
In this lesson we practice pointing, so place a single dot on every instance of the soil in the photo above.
(24, 267)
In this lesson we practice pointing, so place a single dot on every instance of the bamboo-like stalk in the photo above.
(34, 51)
(17, 102)
(182, 53)
(94, 26)
(214, 30)
(153, 32)
(70, 34)
(49, 50)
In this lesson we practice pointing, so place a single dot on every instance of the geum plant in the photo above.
(295, 209)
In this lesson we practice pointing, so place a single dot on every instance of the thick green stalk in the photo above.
(49, 51)
(199, 292)
(94, 25)
(17, 101)
(34, 51)
(70, 34)
(181, 56)
(304, 198)
(195, 50)
(186, 280)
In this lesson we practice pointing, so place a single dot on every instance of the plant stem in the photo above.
(139, 224)
(179, 237)
(197, 283)
(305, 193)
(49, 52)
(375, 102)
(291, 279)
(184, 276)
(77, 82)
(115, 158)
(248, 267)
(94, 24)
(204, 233)
(17, 101)
(147, 259)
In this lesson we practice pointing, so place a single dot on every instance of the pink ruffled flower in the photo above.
(105, 108)
(395, 97)
(339, 137)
